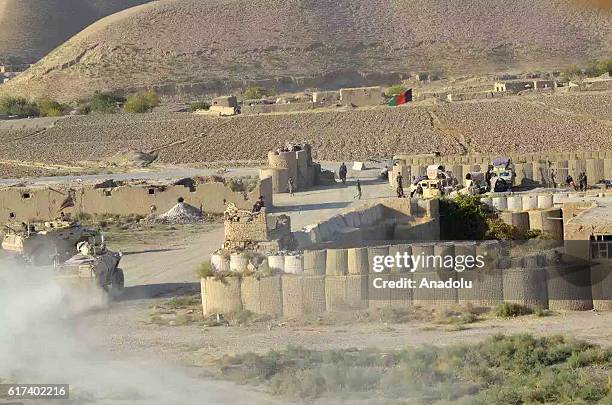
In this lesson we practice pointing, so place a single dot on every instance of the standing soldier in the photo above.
(291, 185)
(400, 186)
(342, 173)
(358, 185)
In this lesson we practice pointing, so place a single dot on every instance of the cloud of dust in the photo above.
(39, 344)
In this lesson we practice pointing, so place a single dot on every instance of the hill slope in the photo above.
(226, 43)
(29, 29)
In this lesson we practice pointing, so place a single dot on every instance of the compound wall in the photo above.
(44, 203)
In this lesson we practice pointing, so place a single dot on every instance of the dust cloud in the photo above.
(39, 344)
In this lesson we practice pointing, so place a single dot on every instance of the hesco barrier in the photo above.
(373, 252)
(303, 295)
(535, 280)
(221, 296)
(601, 279)
(358, 261)
(220, 263)
(337, 262)
(315, 262)
(345, 293)
(569, 288)
(262, 296)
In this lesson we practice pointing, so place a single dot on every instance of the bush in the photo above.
(101, 103)
(18, 106)
(141, 102)
(255, 92)
(498, 229)
(396, 89)
(511, 310)
(463, 218)
(198, 105)
(205, 270)
(50, 108)
(599, 67)
(501, 370)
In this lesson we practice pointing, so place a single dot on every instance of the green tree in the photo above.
(198, 105)
(396, 89)
(256, 92)
(102, 103)
(463, 218)
(141, 102)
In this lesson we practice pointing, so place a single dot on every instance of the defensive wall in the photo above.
(277, 108)
(384, 219)
(330, 280)
(42, 203)
(533, 169)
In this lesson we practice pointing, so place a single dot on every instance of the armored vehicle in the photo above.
(94, 265)
(42, 244)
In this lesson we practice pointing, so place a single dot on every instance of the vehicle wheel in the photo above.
(117, 283)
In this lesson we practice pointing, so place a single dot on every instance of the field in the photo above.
(559, 122)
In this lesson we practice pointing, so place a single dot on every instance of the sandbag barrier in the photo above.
(342, 279)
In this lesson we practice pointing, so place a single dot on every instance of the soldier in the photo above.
(342, 173)
(291, 185)
(358, 185)
(259, 204)
(400, 186)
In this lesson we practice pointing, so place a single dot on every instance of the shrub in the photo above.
(50, 108)
(511, 310)
(396, 89)
(198, 105)
(599, 67)
(102, 103)
(464, 218)
(205, 269)
(500, 370)
(18, 106)
(141, 102)
(498, 229)
(255, 92)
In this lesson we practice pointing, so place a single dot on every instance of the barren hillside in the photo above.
(222, 44)
(29, 29)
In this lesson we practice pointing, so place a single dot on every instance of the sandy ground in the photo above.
(159, 266)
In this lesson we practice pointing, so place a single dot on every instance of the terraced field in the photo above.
(558, 122)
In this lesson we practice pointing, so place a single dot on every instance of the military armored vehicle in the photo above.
(95, 266)
(436, 183)
(42, 244)
(502, 174)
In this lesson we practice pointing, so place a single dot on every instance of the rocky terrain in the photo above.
(29, 29)
(560, 122)
(183, 46)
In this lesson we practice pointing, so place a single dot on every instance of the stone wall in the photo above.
(276, 108)
(361, 96)
(43, 203)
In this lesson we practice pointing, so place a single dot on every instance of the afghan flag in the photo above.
(401, 98)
